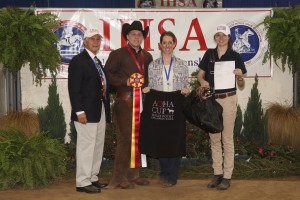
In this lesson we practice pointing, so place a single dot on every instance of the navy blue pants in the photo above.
(169, 169)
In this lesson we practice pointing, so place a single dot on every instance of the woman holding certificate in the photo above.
(220, 69)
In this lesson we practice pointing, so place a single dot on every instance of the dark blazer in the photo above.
(84, 85)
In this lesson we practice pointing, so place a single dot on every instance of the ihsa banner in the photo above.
(194, 29)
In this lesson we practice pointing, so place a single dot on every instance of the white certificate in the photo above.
(223, 75)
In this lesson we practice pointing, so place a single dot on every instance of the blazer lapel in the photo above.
(92, 65)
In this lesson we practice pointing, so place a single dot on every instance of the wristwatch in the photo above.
(240, 79)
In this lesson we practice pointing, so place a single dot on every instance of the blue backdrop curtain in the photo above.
(258, 3)
(131, 3)
(70, 3)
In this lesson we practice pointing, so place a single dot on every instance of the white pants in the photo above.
(89, 150)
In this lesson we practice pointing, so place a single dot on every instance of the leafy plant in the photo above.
(26, 37)
(110, 143)
(197, 142)
(283, 34)
(52, 117)
(73, 133)
(25, 120)
(297, 101)
(254, 126)
(194, 84)
(238, 123)
(280, 153)
(29, 162)
(283, 125)
(264, 168)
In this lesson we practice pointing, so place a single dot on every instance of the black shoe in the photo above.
(224, 185)
(217, 179)
(88, 189)
(97, 184)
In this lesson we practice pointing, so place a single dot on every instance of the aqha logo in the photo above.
(71, 39)
(246, 39)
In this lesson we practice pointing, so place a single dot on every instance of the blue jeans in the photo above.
(169, 169)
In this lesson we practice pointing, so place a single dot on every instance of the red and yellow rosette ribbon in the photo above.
(136, 80)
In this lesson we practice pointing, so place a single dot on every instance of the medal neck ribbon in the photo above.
(141, 68)
(167, 73)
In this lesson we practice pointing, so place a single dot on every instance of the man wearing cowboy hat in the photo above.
(121, 64)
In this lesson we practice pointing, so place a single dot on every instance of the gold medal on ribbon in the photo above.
(136, 80)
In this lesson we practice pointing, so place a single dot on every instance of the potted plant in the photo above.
(26, 37)
(283, 34)
(30, 162)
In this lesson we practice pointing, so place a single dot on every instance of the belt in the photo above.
(224, 95)
(127, 96)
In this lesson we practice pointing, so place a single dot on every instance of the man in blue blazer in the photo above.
(87, 85)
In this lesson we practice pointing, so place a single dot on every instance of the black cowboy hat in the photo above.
(136, 25)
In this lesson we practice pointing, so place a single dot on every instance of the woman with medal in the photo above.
(126, 68)
(162, 134)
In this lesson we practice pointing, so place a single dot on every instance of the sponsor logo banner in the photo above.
(194, 29)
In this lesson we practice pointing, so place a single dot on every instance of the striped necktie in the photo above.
(102, 76)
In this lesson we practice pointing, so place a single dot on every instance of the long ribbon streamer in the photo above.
(136, 80)
(135, 154)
